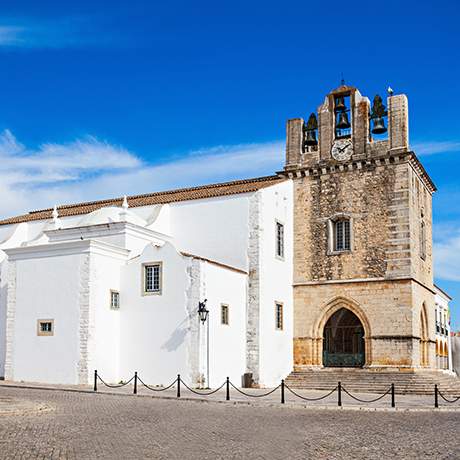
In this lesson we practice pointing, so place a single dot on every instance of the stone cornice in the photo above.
(333, 166)
(363, 280)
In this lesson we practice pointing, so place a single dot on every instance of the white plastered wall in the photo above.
(215, 228)
(104, 322)
(227, 349)
(276, 354)
(154, 329)
(46, 288)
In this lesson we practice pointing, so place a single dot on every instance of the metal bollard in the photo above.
(436, 403)
(393, 404)
(227, 396)
(95, 380)
(339, 395)
(282, 391)
(135, 383)
(178, 385)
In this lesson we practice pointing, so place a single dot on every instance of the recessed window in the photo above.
(114, 300)
(224, 314)
(45, 327)
(280, 240)
(152, 278)
(341, 231)
(279, 316)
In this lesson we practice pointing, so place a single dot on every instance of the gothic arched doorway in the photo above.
(343, 340)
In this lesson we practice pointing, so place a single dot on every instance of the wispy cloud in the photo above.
(433, 147)
(446, 251)
(88, 169)
(60, 33)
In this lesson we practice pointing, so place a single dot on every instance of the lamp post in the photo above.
(203, 314)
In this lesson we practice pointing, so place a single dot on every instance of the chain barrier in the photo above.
(366, 400)
(254, 396)
(448, 400)
(339, 388)
(208, 393)
(119, 385)
(310, 399)
(157, 389)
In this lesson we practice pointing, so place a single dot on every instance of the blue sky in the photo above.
(99, 99)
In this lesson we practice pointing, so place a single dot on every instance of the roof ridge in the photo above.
(165, 192)
(168, 196)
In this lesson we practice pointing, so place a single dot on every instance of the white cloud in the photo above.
(446, 254)
(11, 35)
(433, 147)
(59, 33)
(89, 169)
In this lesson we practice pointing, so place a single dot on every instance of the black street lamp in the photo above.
(203, 312)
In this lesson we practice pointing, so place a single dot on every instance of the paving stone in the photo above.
(98, 426)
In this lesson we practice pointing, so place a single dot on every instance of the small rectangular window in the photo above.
(224, 314)
(152, 278)
(114, 300)
(279, 316)
(280, 240)
(342, 235)
(45, 327)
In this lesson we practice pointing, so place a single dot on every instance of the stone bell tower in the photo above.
(363, 273)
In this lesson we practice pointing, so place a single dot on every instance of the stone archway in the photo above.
(424, 361)
(343, 340)
(327, 313)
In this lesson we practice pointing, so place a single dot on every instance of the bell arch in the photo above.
(424, 356)
(327, 312)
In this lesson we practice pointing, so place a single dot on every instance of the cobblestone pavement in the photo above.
(93, 426)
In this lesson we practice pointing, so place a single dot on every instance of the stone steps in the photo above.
(366, 381)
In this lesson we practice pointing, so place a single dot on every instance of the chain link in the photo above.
(310, 399)
(366, 400)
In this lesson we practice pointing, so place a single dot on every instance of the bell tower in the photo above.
(363, 274)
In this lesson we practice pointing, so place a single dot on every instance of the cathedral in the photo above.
(327, 263)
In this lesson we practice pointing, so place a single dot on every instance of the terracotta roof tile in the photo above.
(170, 196)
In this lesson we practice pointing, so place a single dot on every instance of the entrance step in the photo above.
(371, 381)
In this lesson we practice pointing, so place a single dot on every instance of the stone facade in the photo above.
(386, 277)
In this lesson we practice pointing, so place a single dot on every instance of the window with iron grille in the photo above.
(279, 316)
(280, 240)
(114, 300)
(342, 239)
(224, 314)
(152, 278)
(45, 327)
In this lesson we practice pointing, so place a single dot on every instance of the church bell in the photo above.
(377, 114)
(310, 131)
(310, 137)
(379, 126)
(340, 104)
(342, 121)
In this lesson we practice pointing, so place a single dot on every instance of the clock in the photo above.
(342, 149)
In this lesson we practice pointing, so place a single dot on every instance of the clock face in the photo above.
(342, 149)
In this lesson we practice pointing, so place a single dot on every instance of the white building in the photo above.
(115, 286)
(443, 335)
